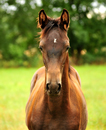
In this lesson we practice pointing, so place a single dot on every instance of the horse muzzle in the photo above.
(53, 88)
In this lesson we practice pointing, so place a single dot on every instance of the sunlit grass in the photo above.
(94, 87)
(14, 93)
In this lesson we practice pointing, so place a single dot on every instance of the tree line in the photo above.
(19, 32)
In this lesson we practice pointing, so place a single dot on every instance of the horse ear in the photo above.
(43, 20)
(64, 19)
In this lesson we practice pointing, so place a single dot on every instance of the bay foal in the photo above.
(56, 101)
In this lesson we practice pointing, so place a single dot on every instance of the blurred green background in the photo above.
(19, 52)
(19, 32)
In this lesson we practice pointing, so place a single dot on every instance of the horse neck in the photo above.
(66, 69)
(65, 80)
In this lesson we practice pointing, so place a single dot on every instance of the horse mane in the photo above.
(52, 23)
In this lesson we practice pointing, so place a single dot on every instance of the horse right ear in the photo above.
(43, 19)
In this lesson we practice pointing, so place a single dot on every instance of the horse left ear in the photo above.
(64, 19)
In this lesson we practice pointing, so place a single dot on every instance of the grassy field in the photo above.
(14, 93)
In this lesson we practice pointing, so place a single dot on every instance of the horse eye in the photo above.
(40, 48)
(67, 48)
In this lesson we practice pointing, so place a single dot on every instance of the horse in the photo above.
(56, 101)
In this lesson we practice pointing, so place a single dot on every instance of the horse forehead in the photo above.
(54, 38)
(53, 33)
(55, 41)
(57, 36)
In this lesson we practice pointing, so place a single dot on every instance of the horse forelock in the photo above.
(53, 23)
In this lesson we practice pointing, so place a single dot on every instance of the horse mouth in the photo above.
(53, 94)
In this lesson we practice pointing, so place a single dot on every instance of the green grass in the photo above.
(94, 88)
(14, 93)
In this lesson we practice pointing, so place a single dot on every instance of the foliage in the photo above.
(15, 88)
(19, 32)
(88, 58)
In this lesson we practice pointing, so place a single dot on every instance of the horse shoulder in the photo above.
(76, 83)
(37, 75)
(73, 72)
(36, 93)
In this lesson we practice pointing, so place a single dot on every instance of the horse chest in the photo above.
(61, 124)
(51, 122)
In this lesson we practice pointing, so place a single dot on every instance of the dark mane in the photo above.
(52, 23)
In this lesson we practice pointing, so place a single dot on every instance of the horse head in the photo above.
(54, 45)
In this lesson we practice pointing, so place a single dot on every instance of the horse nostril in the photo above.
(59, 88)
(47, 86)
